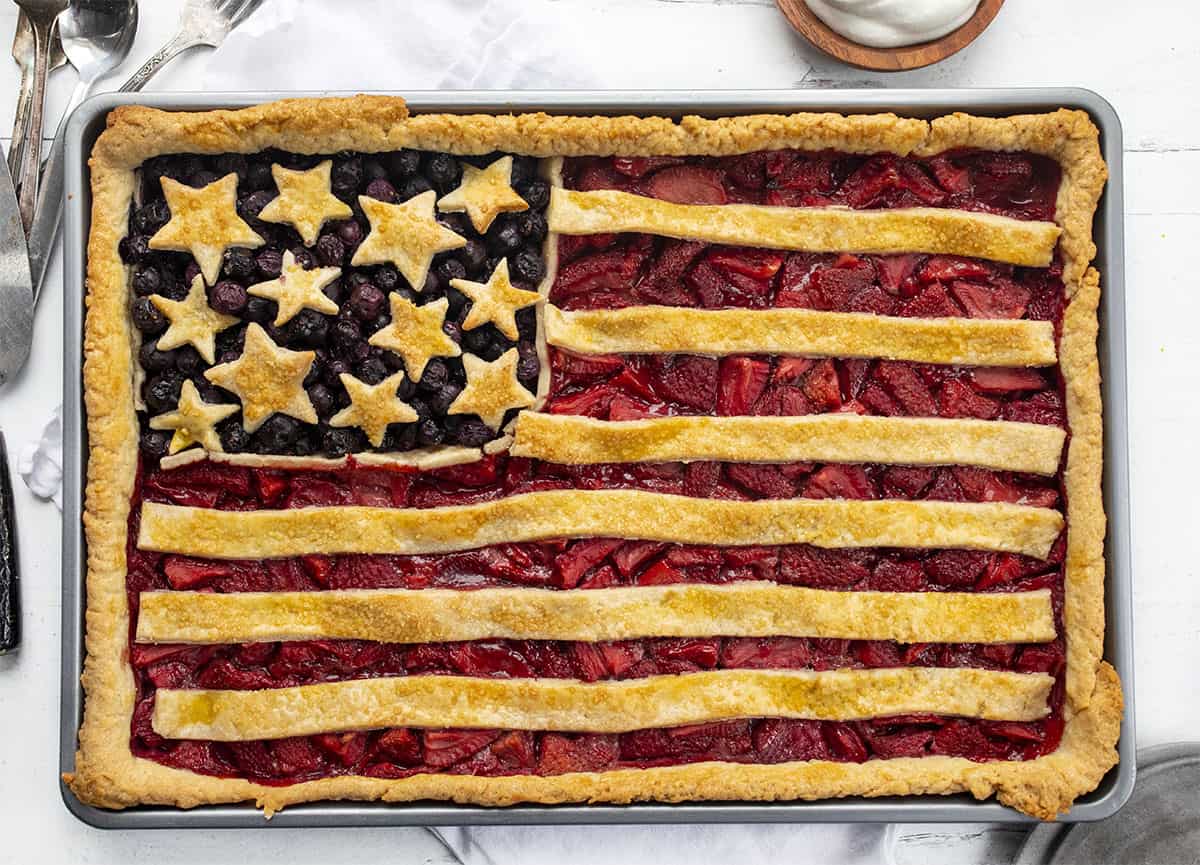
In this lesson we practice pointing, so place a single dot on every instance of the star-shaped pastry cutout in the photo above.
(406, 235)
(267, 379)
(496, 301)
(297, 289)
(415, 333)
(492, 389)
(192, 321)
(305, 201)
(484, 194)
(373, 407)
(193, 420)
(204, 222)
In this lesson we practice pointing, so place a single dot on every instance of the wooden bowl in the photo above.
(838, 46)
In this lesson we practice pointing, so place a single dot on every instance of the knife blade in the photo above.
(16, 284)
(10, 609)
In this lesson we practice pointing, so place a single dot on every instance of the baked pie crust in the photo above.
(107, 772)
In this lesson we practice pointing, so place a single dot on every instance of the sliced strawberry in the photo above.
(1002, 299)
(956, 568)
(689, 380)
(981, 485)
(1015, 730)
(635, 380)
(1044, 408)
(852, 376)
(945, 488)
(687, 184)
(271, 485)
(958, 400)
(632, 554)
(318, 568)
(589, 661)
(660, 574)
(144, 654)
(1004, 379)
(701, 478)
(583, 367)
(822, 388)
(1038, 497)
(446, 747)
(663, 282)
(589, 402)
(791, 370)
(780, 740)
(639, 166)
(254, 759)
(964, 739)
(839, 482)
(764, 480)
(685, 556)
(895, 271)
(184, 572)
(600, 271)
(844, 742)
(740, 382)
(581, 557)
(872, 300)
(903, 382)
(766, 653)
(876, 654)
(814, 567)
(783, 401)
(906, 482)
(896, 576)
(914, 743)
(515, 749)
(296, 756)
(832, 288)
(933, 302)
(489, 658)
(950, 177)
(701, 652)
(754, 263)
(1003, 568)
(562, 753)
(621, 656)
(625, 407)
(948, 268)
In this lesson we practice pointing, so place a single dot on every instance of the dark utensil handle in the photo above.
(10, 608)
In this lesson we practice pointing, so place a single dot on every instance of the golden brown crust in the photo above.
(574, 513)
(650, 329)
(838, 437)
(106, 772)
(607, 706)
(744, 609)
(812, 229)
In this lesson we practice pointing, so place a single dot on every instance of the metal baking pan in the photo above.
(89, 120)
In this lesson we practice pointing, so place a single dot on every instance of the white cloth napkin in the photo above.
(40, 462)
(481, 44)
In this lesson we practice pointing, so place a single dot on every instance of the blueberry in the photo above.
(349, 232)
(335, 291)
(153, 360)
(421, 407)
(339, 441)
(528, 364)
(372, 370)
(188, 360)
(503, 237)
(261, 310)
(406, 388)
(322, 399)
(473, 433)
(147, 318)
(147, 280)
(161, 392)
(536, 193)
(400, 437)
(152, 216)
(251, 206)
(330, 250)
(232, 163)
(333, 373)
(346, 176)
(277, 434)
(155, 442)
(524, 170)
(414, 186)
(450, 268)
(366, 302)
(527, 266)
(430, 433)
(360, 351)
(459, 223)
(443, 172)
(240, 264)
(476, 341)
(374, 170)
(532, 225)
(433, 286)
(404, 163)
(134, 248)
(392, 361)
(446, 394)
(228, 297)
(382, 190)
(316, 367)
(387, 278)
(189, 275)
(269, 263)
(345, 335)
(435, 375)
(453, 330)
(203, 178)
(473, 257)
(303, 257)
(308, 328)
(457, 301)
(258, 176)
(233, 435)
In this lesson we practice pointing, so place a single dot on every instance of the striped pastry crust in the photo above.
(744, 609)
(809, 229)
(107, 774)
(971, 342)
(635, 514)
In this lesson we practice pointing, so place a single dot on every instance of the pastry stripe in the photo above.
(811, 229)
(665, 329)
(838, 437)
(632, 514)
(599, 707)
(745, 609)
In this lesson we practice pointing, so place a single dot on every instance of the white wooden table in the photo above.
(1145, 58)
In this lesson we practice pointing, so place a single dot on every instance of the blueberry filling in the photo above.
(340, 341)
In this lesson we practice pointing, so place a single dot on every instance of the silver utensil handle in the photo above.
(48, 215)
(27, 181)
(10, 607)
(16, 145)
(179, 43)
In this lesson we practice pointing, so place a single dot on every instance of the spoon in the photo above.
(96, 37)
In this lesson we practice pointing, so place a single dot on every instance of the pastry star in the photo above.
(373, 407)
(416, 334)
(267, 379)
(406, 235)
(484, 193)
(496, 301)
(305, 201)
(204, 222)
(297, 289)
(193, 420)
(192, 320)
(492, 389)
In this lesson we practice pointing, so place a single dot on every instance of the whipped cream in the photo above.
(893, 23)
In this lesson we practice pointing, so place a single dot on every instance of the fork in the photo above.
(202, 22)
(23, 54)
